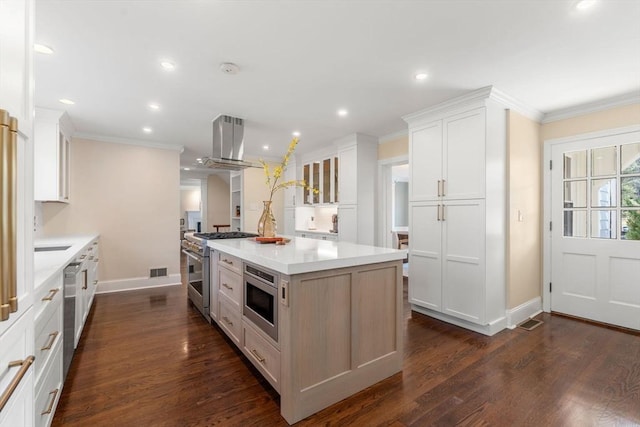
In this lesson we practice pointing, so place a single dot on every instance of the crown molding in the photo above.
(517, 105)
(593, 107)
(127, 141)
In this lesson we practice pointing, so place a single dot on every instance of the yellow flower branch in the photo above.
(272, 179)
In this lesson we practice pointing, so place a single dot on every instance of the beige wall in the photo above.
(131, 196)
(189, 200)
(394, 148)
(255, 192)
(524, 237)
(218, 204)
(601, 120)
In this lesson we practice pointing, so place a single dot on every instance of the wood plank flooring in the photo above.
(148, 359)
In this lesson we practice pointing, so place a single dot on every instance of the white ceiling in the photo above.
(302, 60)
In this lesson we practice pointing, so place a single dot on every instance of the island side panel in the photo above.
(333, 341)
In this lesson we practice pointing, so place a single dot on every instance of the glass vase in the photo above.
(267, 223)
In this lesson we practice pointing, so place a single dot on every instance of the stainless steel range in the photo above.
(194, 246)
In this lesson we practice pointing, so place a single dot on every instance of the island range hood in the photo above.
(228, 144)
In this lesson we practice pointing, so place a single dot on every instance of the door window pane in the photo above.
(603, 193)
(575, 194)
(630, 158)
(575, 164)
(630, 189)
(603, 224)
(603, 161)
(630, 225)
(575, 223)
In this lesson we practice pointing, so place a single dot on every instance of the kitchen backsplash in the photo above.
(321, 217)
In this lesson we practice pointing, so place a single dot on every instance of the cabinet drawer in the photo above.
(48, 334)
(48, 296)
(262, 354)
(230, 285)
(48, 395)
(230, 262)
(230, 319)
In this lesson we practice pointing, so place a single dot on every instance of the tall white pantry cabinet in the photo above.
(457, 211)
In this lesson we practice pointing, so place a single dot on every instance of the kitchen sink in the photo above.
(51, 248)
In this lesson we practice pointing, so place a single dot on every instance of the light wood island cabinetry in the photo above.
(339, 314)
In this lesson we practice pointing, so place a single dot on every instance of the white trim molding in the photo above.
(393, 136)
(592, 107)
(491, 329)
(127, 141)
(524, 311)
(133, 283)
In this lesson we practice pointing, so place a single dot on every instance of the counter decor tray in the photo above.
(276, 240)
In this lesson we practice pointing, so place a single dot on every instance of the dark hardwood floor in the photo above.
(148, 359)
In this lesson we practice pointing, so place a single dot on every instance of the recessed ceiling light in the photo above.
(342, 112)
(585, 4)
(168, 65)
(66, 101)
(421, 76)
(186, 169)
(40, 48)
(265, 147)
(296, 133)
(154, 106)
(199, 160)
(147, 129)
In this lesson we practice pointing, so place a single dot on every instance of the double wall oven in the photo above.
(194, 246)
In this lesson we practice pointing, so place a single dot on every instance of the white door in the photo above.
(595, 230)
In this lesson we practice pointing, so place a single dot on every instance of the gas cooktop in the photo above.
(224, 235)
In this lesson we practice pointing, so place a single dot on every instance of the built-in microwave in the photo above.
(261, 299)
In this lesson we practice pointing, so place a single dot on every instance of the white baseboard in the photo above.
(105, 287)
(519, 314)
(491, 329)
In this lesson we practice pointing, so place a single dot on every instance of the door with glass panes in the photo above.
(595, 230)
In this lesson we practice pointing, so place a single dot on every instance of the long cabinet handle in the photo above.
(85, 278)
(24, 367)
(439, 213)
(439, 188)
(52, 293)
(12, 151)
(52, 339)
(51, 402)
(444, 183)
(257, 356)
(443, 218)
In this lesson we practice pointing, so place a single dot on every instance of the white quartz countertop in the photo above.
(304, 255)
(48, 263)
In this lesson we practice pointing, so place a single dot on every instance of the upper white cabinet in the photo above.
(458, 193)
(52, 139)
(290, 192)
(321, 175)
(452, 157)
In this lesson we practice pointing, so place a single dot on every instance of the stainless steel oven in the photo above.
(261, 298)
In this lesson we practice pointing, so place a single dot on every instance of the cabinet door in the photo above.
(464, 155)
(289, 219)
(425, 258)
(348, 173)
(290, 192)
(306, 176)
(463, 290)
(213, 288)
(348, 223)
(425, 157)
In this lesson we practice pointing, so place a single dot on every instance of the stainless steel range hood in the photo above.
(228, 144)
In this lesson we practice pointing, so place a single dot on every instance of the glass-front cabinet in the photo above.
(322, 177)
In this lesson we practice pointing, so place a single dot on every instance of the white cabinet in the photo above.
(317, 236)
(229, 288)
(52, 139)
(290, 193)
(457, 205)
(357, 161)
(85, 286)
(236, 201)
(321, 175)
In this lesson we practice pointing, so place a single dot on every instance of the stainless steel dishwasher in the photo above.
(72, 279)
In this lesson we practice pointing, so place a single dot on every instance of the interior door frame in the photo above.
(385, 203)
(546, 200)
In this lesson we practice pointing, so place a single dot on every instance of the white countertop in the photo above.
(316, 231)
(304, 255)
(48, 263)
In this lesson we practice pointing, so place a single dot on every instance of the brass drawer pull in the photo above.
(227, 286)
(51, 402)
(257, 356)
(6, 395)
(83, 256)
(52, 293)
(226, 319)
(227, 261)
(52, 339)
(95, 282)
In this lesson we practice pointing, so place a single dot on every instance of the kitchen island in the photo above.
(338, 316)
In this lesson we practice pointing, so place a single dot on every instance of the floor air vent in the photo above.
(158, 272)
(530, 324)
